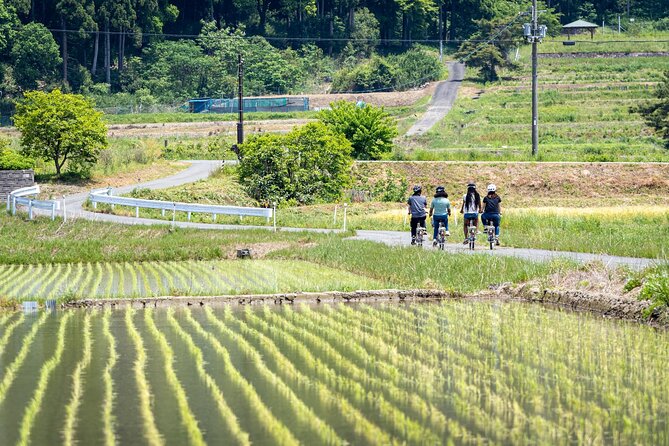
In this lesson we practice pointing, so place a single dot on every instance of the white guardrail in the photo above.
(104, 196)
(21, 197)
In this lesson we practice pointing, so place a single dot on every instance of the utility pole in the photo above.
(441, 32)
(240, 124)
(535, 86)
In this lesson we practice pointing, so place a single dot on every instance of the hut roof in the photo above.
(580, 24)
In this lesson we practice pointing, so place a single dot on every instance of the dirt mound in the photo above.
(537, 184)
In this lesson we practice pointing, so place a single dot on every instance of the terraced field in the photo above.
(193, 278)
(584, 113)
(448, 373)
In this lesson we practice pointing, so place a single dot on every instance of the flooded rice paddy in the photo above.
(440, 373)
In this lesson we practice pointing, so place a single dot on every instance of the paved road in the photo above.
(442, 100)
(198, 170)
(393, 238)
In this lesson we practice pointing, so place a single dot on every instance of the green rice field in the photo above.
(66, 281)
(454, 372)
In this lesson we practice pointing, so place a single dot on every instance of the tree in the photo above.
(63, 128)
(656, 113)
(36, 56)
(369, 129)
(310, 164)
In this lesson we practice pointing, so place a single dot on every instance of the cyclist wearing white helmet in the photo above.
(416, 205)
(471, 208)
(492, 214)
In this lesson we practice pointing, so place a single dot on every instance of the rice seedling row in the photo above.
(151, 434)
(42, 383)
(272, 427)
(77, 384)
(450, 372)
(187, 417)
(108, 397)
(304, 415)
(147, 279)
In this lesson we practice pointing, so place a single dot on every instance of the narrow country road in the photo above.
(202, 169)
(395, 238)
(442, 101)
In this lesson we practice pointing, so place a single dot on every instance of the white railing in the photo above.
(21, 197)
(104, 196)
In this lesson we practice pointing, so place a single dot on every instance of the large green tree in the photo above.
(369, 129)
(36, 56)
(61, 128)
(308, 165)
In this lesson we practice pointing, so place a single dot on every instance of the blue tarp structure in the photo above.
(285, 104)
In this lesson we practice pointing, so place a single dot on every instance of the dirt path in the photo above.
(442, 101)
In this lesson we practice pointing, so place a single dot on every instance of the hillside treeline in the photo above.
(167, 49)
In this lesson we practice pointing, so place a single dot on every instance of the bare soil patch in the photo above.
(538, 184)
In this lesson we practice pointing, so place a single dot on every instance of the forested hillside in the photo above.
(169, 50)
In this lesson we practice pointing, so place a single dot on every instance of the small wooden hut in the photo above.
(578, 27)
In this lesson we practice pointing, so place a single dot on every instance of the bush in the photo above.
(10, 160)
(369, 129)
(413, 68)
(308, 165)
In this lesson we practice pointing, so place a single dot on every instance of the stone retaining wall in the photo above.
(14, 179)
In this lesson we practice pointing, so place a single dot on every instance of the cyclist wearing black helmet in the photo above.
(440, 209)
(471, 208)
(416, 205)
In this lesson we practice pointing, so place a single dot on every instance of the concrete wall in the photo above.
(14, 179)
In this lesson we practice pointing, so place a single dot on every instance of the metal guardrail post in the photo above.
(136, 211)
(30, 209)
(345, 215)
(174, 214)
(274, 214)
(64, 211)
(53, 211)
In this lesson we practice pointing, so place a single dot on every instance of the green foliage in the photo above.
(369, 129)
(410, 69)
(656, 286)
(10, 160)
(36, 57)
(309, 164)
(62, 128)
(656, 113)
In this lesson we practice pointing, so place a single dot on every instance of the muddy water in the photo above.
(467, 372)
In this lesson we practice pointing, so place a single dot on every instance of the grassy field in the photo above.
(623, 210)
(91, 259)
(159, 118)
(583, 111)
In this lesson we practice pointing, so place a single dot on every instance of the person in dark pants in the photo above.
(416, 205)
(440, 209)
(471, 208)
(493, 210)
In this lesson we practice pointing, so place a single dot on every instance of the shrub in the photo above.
(310, 164)
(369, 129)
(10, 160)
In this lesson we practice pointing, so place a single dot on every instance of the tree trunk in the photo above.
(62, 24)
(121, 44)
(107, 55)
(96, 47)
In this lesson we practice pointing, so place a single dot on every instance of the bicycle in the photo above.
(490, 230)
(441, 236)
(421, 234)
(472, 236)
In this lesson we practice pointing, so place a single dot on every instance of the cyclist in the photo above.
(416, 205)
(471, 208)
(441, 208)
(492, 214)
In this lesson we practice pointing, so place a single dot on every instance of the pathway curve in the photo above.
(394, 238)
(198, 170)
(202, 169)
(442, 100)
